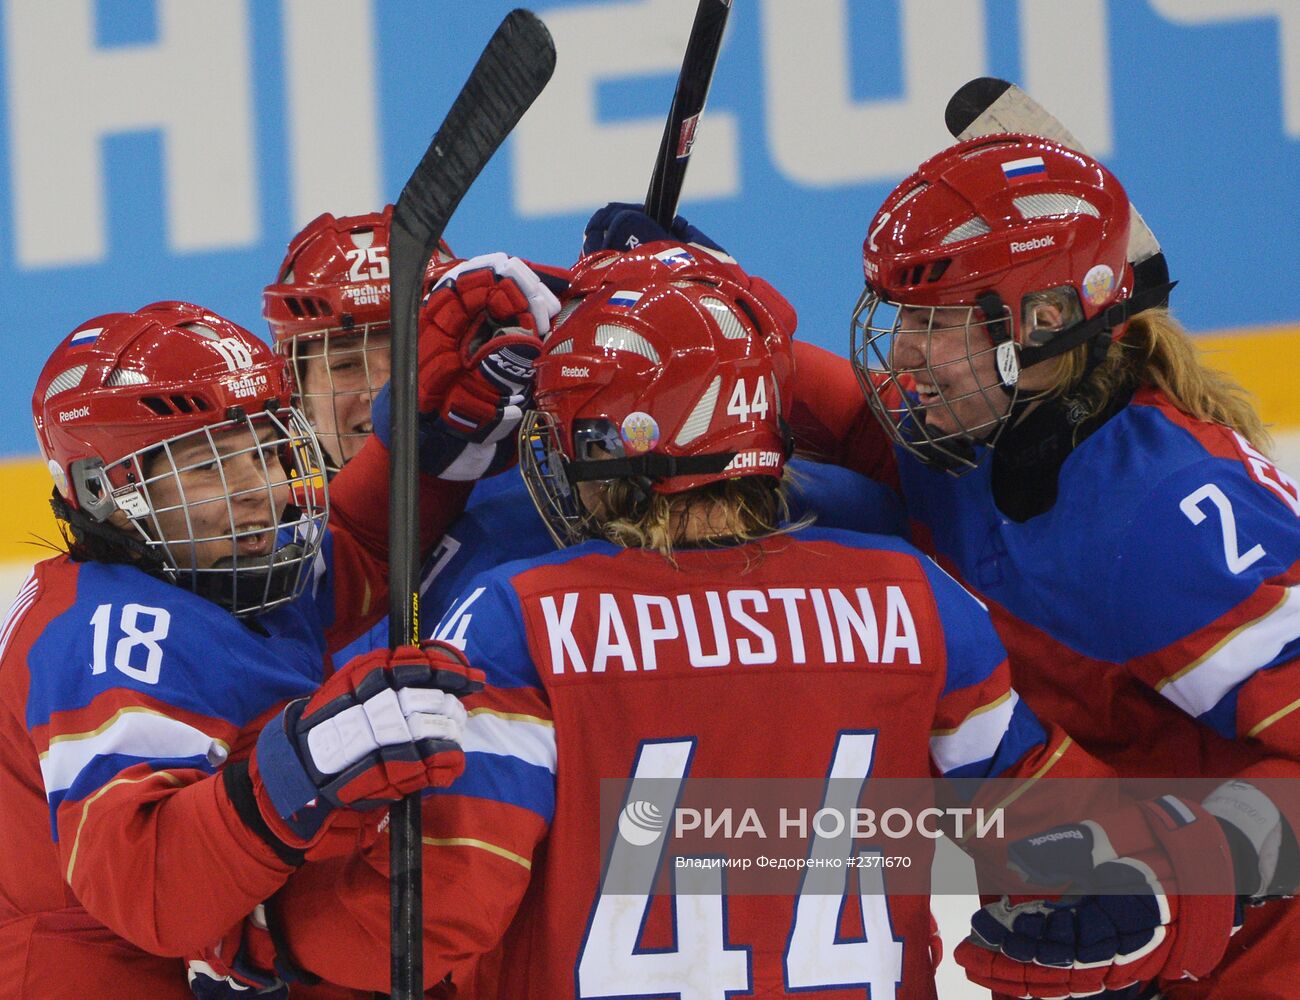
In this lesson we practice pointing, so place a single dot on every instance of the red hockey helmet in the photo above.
(968, 245)
(670, 369)
(328, 313)
(130, 405)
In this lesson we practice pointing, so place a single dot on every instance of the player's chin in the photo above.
(940, 423)
(352, 446)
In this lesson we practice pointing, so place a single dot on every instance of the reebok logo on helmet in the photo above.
(1038, 243)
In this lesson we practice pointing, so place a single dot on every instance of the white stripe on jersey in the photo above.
(136, 732)
(531, 742)
(27, 594)
(1200, 686)
(977, 737)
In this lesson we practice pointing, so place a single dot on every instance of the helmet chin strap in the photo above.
(266, 581)
(1097, 333)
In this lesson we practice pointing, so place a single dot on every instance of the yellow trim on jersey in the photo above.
(496, 849)
(129, 709)
(85, 807)
(1184, 671)
(512, 716)
(1028, 782)
(978, 711)
(1279, 714)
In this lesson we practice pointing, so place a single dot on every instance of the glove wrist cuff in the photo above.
(239, 789)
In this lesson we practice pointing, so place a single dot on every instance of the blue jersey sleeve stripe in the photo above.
(974, 650)
(1024, 733)
(506, 779)
(1222, 716)
(101, 770)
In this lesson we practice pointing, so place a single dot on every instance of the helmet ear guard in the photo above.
(92, 488)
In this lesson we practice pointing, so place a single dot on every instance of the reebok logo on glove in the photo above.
(1047, 838)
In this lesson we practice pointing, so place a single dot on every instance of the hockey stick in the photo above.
(684, 114)
(987, 105)
(511, 72)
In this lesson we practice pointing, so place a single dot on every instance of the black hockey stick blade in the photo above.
(987, 104)
(684, 115)
(511, 72)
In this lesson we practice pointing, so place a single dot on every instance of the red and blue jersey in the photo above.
(121, 696)
(760, 661)
(1170, 558)
(500, 524)
(1152, 612)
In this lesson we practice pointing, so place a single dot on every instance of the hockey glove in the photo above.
(481, 329)
(1123, 923)
(624, 226)
(389, 723)
(249, 961)
(208, 983)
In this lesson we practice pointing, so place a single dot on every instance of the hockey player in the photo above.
(164, 712)
(328, 313)
(684, 631)
(1064, 452)
(501, 524)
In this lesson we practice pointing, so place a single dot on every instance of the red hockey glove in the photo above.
(1123, 922)
(481, 329)
(386, 725)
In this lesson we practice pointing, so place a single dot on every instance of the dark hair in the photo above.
(88, 540)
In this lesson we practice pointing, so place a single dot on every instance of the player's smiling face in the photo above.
(239, 483)
(950, 357)
(340, 376)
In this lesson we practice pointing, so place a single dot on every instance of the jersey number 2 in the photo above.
(1190, 505)
(702, 965)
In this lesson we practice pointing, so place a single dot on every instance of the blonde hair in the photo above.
(1156, 351)
(736, 511)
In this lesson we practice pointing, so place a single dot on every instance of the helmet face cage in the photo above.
(193, 499)
(550, 480)
(336, 377)
(542, 464)
(966, 388)
(328, 314)
(959, 261)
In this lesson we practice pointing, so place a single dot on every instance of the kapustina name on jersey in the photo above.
(749, 627)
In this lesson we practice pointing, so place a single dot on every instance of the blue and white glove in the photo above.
(1125, 922)
(621, 225)
(387, 724)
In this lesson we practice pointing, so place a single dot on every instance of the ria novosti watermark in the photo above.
(665, 835)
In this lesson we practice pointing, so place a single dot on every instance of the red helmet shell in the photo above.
(1011, 214)
(335, 278)
(123, 382)
(678, 353)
